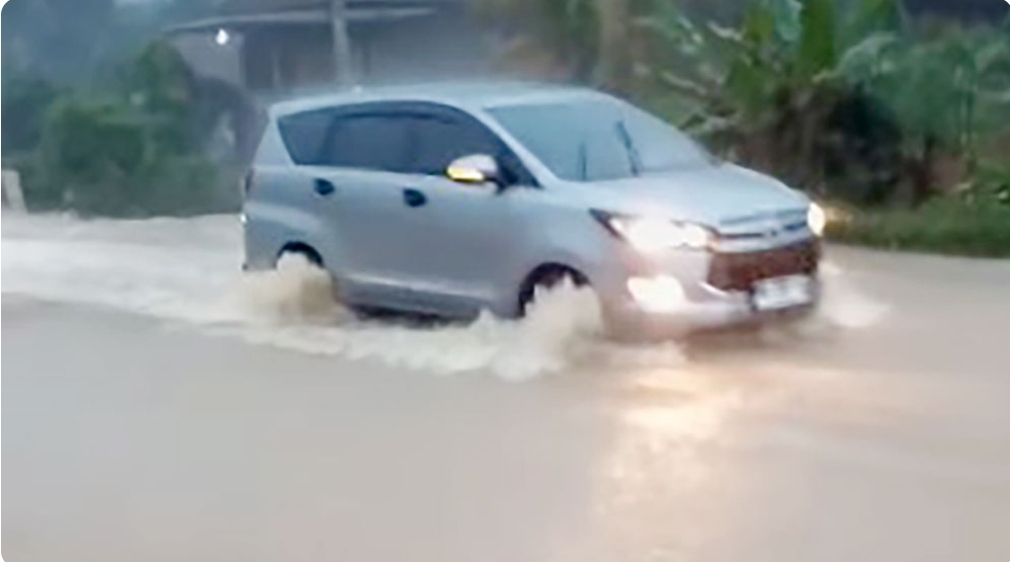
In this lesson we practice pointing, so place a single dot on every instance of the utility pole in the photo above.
(343, 63)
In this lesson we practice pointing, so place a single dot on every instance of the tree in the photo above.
(769, 92)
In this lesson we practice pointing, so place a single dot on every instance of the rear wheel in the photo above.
(300, 251)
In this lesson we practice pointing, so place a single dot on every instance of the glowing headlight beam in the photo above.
(653, 235)
(817, 219)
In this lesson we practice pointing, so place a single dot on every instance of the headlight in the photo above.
(817, 219)
(653, 235)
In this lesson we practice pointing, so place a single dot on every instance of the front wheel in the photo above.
(547, 279)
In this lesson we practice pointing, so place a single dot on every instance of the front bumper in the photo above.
(724, 311)
(718, 290)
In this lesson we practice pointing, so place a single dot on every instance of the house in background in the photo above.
(254, 52)
(273, 47)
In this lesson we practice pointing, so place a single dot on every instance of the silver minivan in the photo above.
(452, 199)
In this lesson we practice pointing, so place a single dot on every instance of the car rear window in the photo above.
(304, 135)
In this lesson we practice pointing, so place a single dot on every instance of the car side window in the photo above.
(398, 137)
(368, 141)
(443, 135)
(305, 133)
(438, 141)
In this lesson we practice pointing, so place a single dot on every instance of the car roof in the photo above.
(470, 95)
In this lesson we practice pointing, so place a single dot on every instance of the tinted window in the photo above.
(417, 138)
(369, 142)
(439, 141)
(594, 140)
(305, 133)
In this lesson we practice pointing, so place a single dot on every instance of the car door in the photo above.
(464, 234)
(359, 183)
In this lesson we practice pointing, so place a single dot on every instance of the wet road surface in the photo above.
(142, 422)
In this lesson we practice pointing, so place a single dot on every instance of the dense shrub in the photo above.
(770, 92)
(946, 224)
(853, 104)
(133, 148)
(106, 159)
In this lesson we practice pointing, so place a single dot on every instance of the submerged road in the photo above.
(156, 408)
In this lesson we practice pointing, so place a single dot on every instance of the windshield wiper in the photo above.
(634, 158)
(583, 161)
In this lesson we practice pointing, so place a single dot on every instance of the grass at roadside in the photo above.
(943, 225)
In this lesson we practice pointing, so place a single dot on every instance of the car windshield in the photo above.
(599, 140)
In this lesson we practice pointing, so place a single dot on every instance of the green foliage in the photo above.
(948, 224)
(82, 140)
(818, 39)
(945, 92)
(160, 84)
(109, 159)
(868, 17)
(162, 80)
(771, 93)
(992, 184)
(130, 151)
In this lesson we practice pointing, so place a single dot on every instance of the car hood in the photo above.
(724, 197)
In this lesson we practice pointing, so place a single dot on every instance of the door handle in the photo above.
(324, 187)
(414, 198)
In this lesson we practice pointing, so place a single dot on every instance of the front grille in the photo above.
(739, 272)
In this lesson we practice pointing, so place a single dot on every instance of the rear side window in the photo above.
(369, 142)
(304, 135)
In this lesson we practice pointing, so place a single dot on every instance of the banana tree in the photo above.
(948, 94)
(781, 45)
(769, 92)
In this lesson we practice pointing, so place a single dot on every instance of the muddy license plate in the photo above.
(783, 292)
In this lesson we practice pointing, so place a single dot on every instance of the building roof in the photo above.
(308, 16)
(244, 14)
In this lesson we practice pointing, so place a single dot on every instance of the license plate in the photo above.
(782, 292)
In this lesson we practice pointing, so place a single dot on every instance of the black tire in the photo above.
(547, 277)
(303, 250)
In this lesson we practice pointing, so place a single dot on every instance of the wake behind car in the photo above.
(450, 199)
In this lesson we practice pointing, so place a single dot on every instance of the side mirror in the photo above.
(475, 169)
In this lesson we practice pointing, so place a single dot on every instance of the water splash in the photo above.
(188, 270)
(846, 306)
